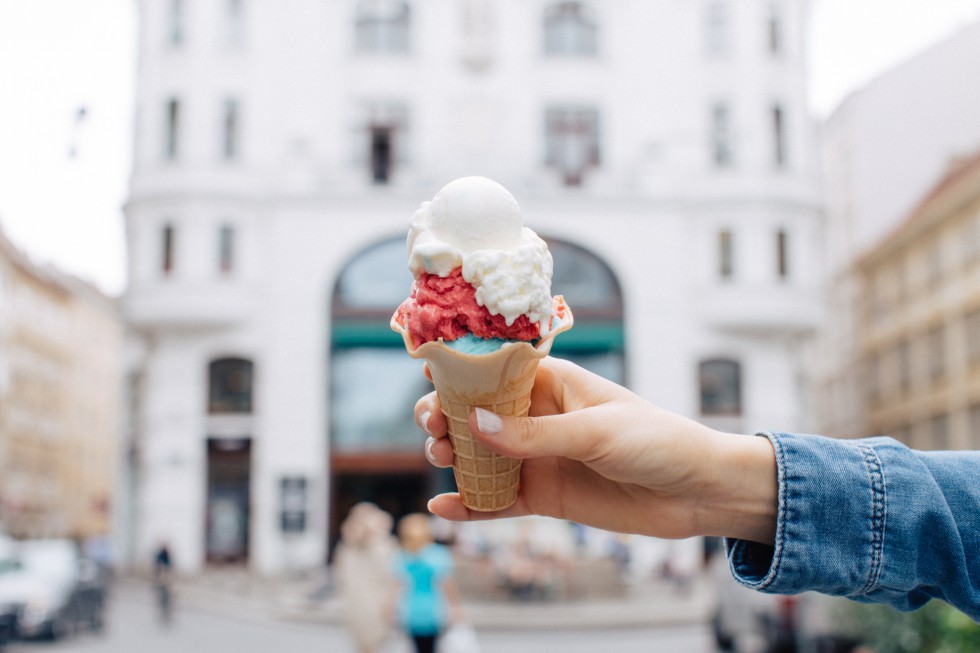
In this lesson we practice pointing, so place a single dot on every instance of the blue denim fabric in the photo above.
(871, 520)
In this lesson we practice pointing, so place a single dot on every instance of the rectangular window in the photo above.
(775, 31)
(167, 249)
(934, 264)
(226, 248)
(721, 135)
(973, 442)
(175, 23)
(718, 28)
(973, 337)
(904, 367)
(778, 136)
(936, 348)
(234, 22)
(726, 257)
(570, 30)
(381, 154)
(230, 130)
(782, 254)
(720, 382)
(172, 129)
(383, 27)
(939, 432)
(970, 242)
(874, 377)
(572, 141)
(384, 139)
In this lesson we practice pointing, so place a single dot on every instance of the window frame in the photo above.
(562, 123)
(231, 129)
(168, 247)
(570, 29)
(722, 146)
(218, 405)
(171, 127)
(726, 254)
(376, 33)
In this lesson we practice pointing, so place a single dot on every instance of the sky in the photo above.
(66, 81)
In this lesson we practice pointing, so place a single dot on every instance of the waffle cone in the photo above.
(500, 382)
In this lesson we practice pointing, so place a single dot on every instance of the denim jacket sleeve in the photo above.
(871, 520)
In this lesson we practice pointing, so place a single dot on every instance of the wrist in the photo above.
(741, 500)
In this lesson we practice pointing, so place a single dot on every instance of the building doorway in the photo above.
(398, 483)
(227, 514)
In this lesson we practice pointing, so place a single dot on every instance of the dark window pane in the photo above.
(721, 392)
(167, 249)
(230, 386)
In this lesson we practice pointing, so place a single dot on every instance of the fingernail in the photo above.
(488, 422)
(424, 421)
(428, 451)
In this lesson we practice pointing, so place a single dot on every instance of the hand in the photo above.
(597, 454)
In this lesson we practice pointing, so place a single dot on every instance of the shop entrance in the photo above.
(229, 475)
(398, 483)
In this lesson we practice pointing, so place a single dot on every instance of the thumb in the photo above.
(572, 435)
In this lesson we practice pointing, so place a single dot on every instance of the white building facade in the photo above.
(663, 148)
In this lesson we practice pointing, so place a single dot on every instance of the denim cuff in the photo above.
(830, 521)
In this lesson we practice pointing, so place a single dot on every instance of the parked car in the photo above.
(53, 589)
(8, 610)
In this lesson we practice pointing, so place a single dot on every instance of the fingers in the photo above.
(429, 417)
(579, 435)
(450, 506)
(439, 452)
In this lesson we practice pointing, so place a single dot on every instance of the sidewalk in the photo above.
(311, 600)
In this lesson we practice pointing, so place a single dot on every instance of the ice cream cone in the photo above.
(501, 382)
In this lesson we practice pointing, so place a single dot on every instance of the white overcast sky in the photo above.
(59, 55)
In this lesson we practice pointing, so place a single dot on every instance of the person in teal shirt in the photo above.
(427, 595)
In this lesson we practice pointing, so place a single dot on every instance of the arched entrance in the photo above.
(375, 448)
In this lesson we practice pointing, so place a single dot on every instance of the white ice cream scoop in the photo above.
(476, 224)
(474, 213)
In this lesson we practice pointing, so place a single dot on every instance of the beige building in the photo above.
(881, 151)
(919, 319)
(60, 342)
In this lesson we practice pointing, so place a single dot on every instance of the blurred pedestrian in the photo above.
(362, 564)
(428, 600)
(162, 583)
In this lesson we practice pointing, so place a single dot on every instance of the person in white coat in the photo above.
(362, 565)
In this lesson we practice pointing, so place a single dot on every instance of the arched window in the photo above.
(230, 386)
(721, 387)
(383, 26)
(570, 29)
(368, 359)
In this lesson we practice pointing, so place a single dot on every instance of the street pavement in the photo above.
(209, 618)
